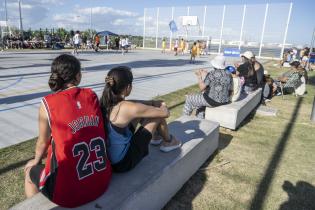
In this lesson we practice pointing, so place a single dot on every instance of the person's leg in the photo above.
(192, 102)
(30, 187)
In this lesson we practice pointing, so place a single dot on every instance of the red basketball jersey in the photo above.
(77, 170)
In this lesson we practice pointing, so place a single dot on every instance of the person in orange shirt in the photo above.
(97, 43)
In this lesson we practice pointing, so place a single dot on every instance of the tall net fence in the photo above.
(261, 28)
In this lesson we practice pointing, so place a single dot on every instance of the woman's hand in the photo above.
(165, 109)
(157, 103)
(30, 164)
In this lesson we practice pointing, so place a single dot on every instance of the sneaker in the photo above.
(170, 146)
(156, 141)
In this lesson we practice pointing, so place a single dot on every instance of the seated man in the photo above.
(291, 79)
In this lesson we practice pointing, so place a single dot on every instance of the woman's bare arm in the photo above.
(139, 110)
(43, 138)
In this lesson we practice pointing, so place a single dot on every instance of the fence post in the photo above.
(263, 30)
(157, 27)
(222, 24)
(243, 19)
(144, 11)
(286, 30)
(171, 37)
(204, 21)
(313, 111)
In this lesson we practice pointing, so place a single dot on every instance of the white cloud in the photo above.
(107, 11)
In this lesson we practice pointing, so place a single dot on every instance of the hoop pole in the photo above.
(241, 34)
(286, 30)
(171, 37)
(263, 30)
(204, 21)
(157, 27)
(222, 24)
(144, 11)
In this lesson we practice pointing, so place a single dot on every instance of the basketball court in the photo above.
(24, 76)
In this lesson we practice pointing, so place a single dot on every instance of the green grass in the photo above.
(232, 177)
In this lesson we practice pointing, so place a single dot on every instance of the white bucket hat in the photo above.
(218, 62)
(248, 54)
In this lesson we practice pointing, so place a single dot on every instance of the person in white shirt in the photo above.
(76, 41)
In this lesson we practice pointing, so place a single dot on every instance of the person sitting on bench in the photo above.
(71, 133)
(128, 145)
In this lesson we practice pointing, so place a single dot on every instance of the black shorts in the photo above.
(35, 174)
(138, 149)
(48, 189)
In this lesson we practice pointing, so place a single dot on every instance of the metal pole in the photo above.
(6, 11)
(21, 24)
(144, 11)
(313, 38)
(241, 34)
(204, 21)
(313, 111)
(222, 24)
(171, 37)
(263, 30)
(91, 22)
(157, 27)
(286, 30)
(188, 11)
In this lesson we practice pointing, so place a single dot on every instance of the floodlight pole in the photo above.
(144, 11)
(157, 27)
(91, 23)
(241, 34)
(21, 24)
(6, 11)
(313, 38)
(171, 36)
(286, 30)
(263, 30)
(204, 21)
(222, 24)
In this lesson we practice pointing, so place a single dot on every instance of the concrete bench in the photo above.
(158, 176)
(231, 115)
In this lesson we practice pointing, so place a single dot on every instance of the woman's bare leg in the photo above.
(30, 187)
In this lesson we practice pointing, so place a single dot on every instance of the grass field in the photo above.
(268, 163)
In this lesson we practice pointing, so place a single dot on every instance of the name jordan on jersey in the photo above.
(82, 122)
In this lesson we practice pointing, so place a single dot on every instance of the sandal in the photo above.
(165, 148)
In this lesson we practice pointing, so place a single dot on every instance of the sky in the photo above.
(126, 16)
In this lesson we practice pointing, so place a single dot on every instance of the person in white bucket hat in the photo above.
(214, 86)
(247, 70)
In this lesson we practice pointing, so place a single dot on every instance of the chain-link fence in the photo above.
(261, 28)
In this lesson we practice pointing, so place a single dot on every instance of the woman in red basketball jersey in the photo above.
(71, 133)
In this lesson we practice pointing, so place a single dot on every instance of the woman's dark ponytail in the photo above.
(64, 70)
(116, 81)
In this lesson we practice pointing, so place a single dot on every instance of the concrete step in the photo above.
(231, 115)
(153, 182)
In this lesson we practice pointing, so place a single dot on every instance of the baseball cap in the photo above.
(248, 54)
(231, 69)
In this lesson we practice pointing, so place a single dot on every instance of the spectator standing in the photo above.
(76, 41)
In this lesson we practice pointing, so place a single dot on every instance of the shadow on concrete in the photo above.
(26, 97)
(263, 187)
(301, 196)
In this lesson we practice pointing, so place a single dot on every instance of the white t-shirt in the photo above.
(237, 87)
(76, 39)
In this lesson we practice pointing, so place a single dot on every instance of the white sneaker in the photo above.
(156, 141)
(165, 148)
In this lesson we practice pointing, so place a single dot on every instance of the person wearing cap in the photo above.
(214, 85)
(237, 84)
(247, 70)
